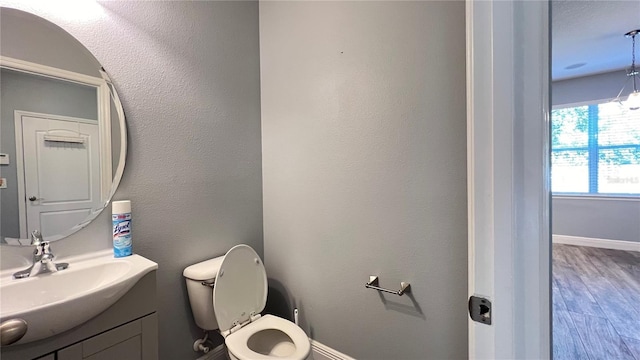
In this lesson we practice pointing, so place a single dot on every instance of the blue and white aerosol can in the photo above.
(121, 218)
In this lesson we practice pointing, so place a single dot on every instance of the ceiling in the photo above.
(592, 32)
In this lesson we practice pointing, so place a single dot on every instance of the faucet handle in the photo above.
(42, 253)
(36, 237)
(46, 248)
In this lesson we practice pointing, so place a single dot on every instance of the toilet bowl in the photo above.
(268, 337)
(229, 293)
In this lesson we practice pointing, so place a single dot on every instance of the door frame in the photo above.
(103, 94)
(22, 195)
(508, 176)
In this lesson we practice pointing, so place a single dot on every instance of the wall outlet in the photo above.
(3, 183)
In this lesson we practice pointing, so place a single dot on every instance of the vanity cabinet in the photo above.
(132, 341)
(128, 330)
(47, 357)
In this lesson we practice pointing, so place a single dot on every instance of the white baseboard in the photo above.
(599, 243)
(319, 351)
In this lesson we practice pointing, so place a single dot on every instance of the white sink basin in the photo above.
(54, 303)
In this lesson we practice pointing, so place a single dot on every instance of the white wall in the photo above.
(364, 172)
(592, 217)
(188, 77)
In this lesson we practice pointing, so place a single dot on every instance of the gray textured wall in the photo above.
(27, 92)
(364, 172)
(188, 76)
(604, 218)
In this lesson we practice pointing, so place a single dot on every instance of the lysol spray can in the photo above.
(121, 219)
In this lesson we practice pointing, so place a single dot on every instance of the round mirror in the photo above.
(62, 131)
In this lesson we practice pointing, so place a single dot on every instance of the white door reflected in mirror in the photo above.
(62, 175)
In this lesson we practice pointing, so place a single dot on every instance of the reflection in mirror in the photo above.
(62, 131)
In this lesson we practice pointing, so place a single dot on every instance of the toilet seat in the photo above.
(237, 342)
(240, 291)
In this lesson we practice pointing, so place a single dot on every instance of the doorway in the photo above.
(595, 182)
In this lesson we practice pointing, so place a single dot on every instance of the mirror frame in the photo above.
(106, 93)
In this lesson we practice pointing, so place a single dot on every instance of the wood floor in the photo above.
(596, 303)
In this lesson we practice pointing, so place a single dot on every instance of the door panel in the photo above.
(61, 172)
(57, 222)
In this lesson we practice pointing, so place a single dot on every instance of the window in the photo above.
(595, 149)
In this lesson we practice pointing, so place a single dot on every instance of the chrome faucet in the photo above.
(36, 237)
(42, 259)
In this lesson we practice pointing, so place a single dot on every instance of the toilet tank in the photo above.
(201, 296)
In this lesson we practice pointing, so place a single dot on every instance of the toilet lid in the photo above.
(240, 288)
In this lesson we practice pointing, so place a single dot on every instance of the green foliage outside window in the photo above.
(595, 149)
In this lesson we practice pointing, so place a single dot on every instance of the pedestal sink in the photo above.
(53, 303)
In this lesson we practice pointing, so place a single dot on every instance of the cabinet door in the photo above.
(47, 357)
(73, 352)
(127, 350)
(150, 337)
(121, 343)
(111, 338)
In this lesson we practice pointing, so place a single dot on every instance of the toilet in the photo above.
(229, 293)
